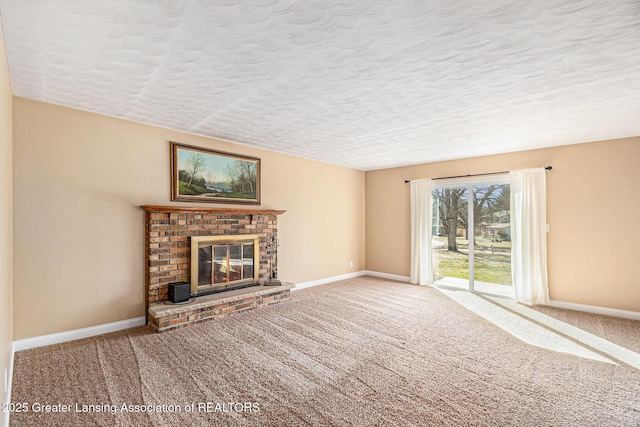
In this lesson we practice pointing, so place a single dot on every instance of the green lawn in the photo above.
(194, 190)
(490, 265)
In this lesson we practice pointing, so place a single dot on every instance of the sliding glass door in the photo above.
(450, 242)
(472, 235)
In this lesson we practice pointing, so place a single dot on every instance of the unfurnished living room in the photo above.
(319, 213)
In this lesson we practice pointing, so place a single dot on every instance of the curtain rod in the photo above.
(406, 181)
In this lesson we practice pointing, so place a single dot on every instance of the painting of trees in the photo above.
(194, 164)
(207, 175)
(242, 176)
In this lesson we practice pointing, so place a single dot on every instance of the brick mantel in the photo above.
(168, 230)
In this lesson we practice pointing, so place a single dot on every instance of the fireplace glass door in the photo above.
(230, 263)
(224, 264)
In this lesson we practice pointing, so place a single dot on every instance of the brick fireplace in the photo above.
(170, 232)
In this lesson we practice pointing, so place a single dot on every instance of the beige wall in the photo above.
(592, 205)
(79, 179)
(6, 269)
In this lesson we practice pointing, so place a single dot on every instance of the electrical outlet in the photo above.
(351, 264)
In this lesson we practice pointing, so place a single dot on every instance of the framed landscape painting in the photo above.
(201, 175)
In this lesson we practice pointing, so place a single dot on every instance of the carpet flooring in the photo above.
(360, 352)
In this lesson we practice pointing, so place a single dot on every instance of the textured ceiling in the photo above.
(360, 83)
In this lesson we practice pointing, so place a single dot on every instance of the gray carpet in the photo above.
(361, 352)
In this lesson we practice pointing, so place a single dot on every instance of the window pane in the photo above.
(492, 253)
(235, 262)
(204, 265)
(220, 264)
(247, 261)
(450, 230)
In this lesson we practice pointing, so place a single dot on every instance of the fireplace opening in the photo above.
(222, 263)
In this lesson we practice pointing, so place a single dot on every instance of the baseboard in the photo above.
(76, 334)
(326, 280)
(634, 315)
(9, 386)
(388, 276)
(594, 309)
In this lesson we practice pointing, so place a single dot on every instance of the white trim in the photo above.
(625, 314)
(9, 386)
(594, 309)
(77, 334)
(332, 279)
(388, 276)
(326, 280)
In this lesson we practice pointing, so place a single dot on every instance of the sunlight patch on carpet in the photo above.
(595, 342)
(522, 328)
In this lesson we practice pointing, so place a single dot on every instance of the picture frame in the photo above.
(204, 175)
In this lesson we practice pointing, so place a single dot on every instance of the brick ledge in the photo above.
(165, 317)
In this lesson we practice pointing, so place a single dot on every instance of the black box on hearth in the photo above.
(178, 292)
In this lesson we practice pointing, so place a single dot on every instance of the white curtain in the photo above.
(528, 235)
(421, 213)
